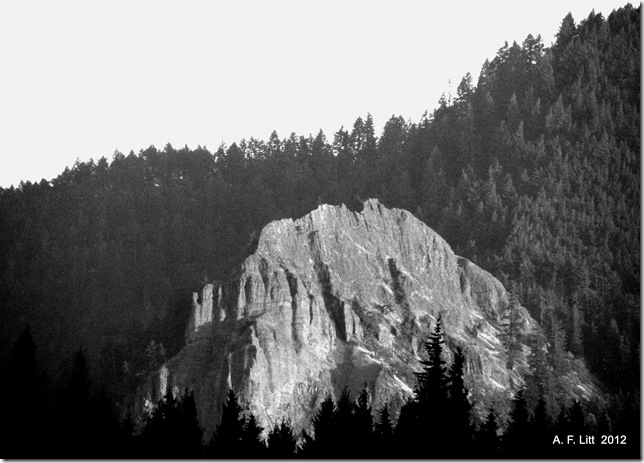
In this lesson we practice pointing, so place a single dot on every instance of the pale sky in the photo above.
(81, 79)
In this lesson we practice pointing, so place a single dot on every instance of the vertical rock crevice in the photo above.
(295, 331)
(400, 285)
(334, 306)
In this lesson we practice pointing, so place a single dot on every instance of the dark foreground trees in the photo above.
(172, 430)
(23, 405)
(81, 421)
(440, 410)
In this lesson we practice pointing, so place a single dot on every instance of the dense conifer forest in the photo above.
(532, 171)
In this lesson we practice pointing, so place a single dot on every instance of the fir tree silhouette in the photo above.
(172, 430)
(127, 442)
(488, 437)
(540, 429)
(281, 442)
(407, 433)
(322, 444)
(518, 436)
(432, 394)
(252, 443)
(362, 442)
(417, 425)
(155, 438)
(24, 406)
(344, 431)
(384, 435)
(227, 439)
(73, 413)
(188, 432)
(459, 429)
(104, 425)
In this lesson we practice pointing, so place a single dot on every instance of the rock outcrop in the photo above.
(340, 299)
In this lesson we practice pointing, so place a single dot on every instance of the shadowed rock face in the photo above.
(339, 299)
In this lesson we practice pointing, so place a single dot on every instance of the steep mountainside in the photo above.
(342, 299)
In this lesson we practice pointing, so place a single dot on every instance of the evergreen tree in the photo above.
(438, 393)
(227, 440)
(127, 442)
(518, 436)
(488, 437)
(576, 419)
(561, 424)
(362, 441)
(74, 437)
(155, 437)
(24, 406)
(188, 433)
(408, 434)
(345, 430)
(458, 419)
(172, 429)
(542, 434)
(104, 426)
(432, 390)
(512, 330)
(252, 442)
(384, 435)
(432, 384)
(324, 433)
(281, 442)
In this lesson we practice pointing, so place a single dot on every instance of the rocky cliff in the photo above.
(340, 299)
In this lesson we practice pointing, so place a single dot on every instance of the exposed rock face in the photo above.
(337, 299)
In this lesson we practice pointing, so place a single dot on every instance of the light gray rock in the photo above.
(339, 299)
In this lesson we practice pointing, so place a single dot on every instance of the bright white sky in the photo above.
(81, 79)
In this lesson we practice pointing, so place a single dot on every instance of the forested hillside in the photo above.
(532, 171)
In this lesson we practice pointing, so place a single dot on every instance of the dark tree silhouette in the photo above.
(363, 426)
(252, 442)
(324, 433)
(488, 442)
(541, 431)
(459, 428)
(408, 433)
(281, 442)
(228, 438)
(24, 403)
(518, 436)
(383, 435)
(172, 430)
(74, 435)
(432, 391)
